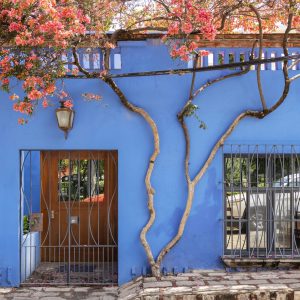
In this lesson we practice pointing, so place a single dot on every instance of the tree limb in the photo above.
(293, 64)
(295, 77)
(258, 69)
(248, 113)
(150, 189)
(78, 65)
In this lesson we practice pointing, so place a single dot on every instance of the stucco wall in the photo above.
(108, 125)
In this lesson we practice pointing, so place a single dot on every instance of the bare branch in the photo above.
(180, 118)
(150, 189)
(195, 65)
(106, 55)
(78, 65)
(258, 70)
(293, 64)
(208, 68)
(287, 81)
(227, 14)
(191, 184)
(147, 20)
(211, 82)
(295, 77)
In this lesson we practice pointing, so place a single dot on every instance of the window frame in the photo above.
(270, 250)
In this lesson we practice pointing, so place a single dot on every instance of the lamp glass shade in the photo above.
(65, 118)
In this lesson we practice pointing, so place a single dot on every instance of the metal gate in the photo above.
(69, 215)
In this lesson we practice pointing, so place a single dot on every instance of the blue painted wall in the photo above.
(31, 182)
(108, 125)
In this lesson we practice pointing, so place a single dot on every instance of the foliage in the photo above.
(26, 225)
(36, 33)
(191, 111)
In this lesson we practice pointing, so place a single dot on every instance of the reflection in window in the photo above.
(81, 180)
(262, 198)
(260, 171)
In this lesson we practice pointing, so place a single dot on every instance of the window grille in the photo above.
(262, 201)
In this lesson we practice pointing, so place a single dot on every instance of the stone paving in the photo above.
(59, 293)
(196, 285)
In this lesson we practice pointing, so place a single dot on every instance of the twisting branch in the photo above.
(138, 110)
(211, 82)
(236, 74)
(78, 65)
(180, 118)
(258, 69)
(293, 64)
(106, 55)
(150, 189)
(248, 113)
(256, 114)
(191, 183)
(196, 63)
(227, 13)
(295, 77)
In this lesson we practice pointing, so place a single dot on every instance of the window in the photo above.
(81, 180)
(262, 203)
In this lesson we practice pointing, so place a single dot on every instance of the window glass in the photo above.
(81, 180)
(257, 220)
(282, 171)
(262, 199)
(236, 171)
(257, 170)
(236, 235)
(236, 204)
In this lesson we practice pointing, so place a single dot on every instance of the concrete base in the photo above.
(250, 263)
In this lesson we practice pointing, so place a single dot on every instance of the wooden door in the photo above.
(79, 204)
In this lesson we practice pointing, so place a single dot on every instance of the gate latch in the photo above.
(74, 220)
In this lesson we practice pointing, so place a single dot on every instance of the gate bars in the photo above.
(69, 217)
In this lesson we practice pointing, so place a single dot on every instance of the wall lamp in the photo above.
(65, 118)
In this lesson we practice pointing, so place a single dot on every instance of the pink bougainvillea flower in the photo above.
(14, 97)
(45, 103)
(68, 103)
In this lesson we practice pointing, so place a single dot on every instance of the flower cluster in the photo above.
(41, 31)
(190, 21)
(24, 107)
(36, 22)
(91, 97)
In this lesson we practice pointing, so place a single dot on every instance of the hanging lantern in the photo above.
(65, 118)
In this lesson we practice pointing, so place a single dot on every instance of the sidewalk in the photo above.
(59, 293)
(197, 285)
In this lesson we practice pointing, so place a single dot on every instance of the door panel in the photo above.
(79, 203)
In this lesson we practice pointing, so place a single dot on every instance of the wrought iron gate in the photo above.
(69, 217)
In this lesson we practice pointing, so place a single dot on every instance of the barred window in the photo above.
(262, 202)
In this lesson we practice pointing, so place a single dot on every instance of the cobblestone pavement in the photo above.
(59, 293)
(197, 285)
